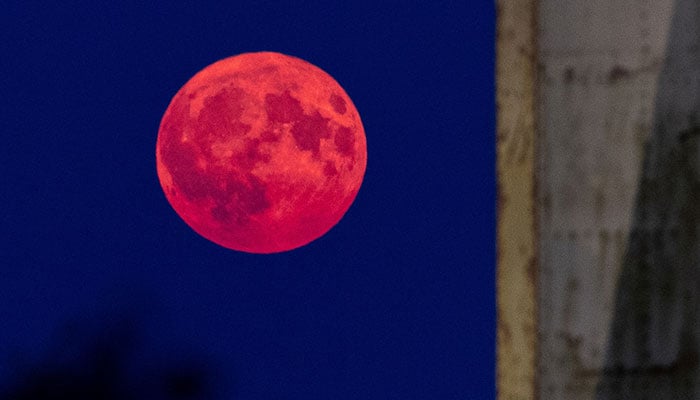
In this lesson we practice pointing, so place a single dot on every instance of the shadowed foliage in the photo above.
(110, 364)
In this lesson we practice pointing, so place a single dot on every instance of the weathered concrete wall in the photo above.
(617, 186)
(599, 66)
(653, 343)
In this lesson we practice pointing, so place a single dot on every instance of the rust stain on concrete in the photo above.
(618, 73)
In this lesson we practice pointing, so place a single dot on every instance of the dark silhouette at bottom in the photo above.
(110, 364)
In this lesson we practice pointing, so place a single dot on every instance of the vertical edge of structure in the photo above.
(516, 246)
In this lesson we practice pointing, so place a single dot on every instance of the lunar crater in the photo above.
(345, 141)
(308, 132)
(282, 108)
(337, 103)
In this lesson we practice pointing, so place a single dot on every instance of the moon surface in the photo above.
(261, 152)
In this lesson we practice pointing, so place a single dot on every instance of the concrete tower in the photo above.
(599, 199)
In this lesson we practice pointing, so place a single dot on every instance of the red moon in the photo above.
(261, 152)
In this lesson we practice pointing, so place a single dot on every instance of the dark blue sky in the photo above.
(396, 302)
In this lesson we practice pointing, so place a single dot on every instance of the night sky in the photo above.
(106, 293)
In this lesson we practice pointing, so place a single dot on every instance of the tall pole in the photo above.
(517, 256)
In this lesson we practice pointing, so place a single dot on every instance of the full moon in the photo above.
(261, 152)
